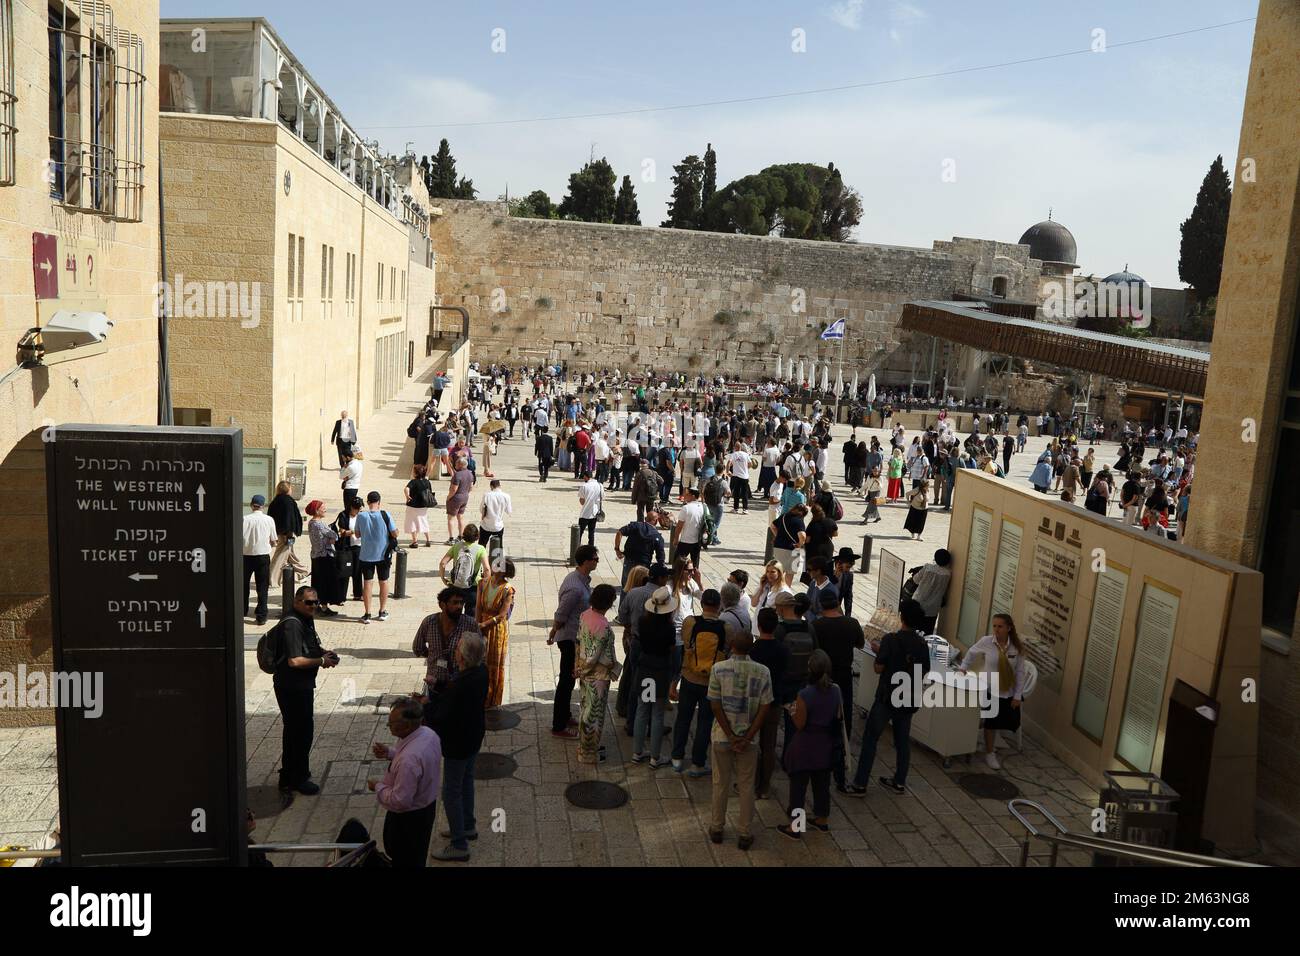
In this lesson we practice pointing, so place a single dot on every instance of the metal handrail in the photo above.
(30, 854)
(304, 847)
(1136, 851)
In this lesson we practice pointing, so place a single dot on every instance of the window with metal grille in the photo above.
(96, 111)
(8, 100)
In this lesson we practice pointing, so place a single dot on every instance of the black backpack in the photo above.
(800, 642)
(713, 492)
(270, 648)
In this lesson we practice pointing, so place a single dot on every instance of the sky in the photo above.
(1114, 140)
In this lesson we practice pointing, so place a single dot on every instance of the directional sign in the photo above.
(45, 265)
(145, 554)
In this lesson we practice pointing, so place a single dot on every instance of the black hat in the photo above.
(848, 554)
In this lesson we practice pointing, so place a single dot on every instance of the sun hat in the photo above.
(661, 602)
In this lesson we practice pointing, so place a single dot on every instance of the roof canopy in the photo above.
(1132, 360)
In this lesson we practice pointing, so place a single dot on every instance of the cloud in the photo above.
(907, 14)
(847, 14)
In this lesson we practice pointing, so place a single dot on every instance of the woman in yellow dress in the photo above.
(496, 599)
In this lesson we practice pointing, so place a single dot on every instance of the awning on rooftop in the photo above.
(1177, 370)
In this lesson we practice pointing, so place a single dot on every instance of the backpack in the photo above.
(707, 646)
(392, 536)
(708, 529)
(420, 494)
(413, 429)
(713, 492)
(462, 568)
(269, 648)
(800, 642)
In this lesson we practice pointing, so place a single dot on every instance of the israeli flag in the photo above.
(835, 330)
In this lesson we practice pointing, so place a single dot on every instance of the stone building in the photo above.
(270, 194)
(1246, 506)
(79, 211)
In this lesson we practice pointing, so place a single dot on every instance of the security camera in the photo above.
(64, 332)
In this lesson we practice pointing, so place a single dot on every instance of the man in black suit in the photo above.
(344, 436)
(544, 449)
(511, 414)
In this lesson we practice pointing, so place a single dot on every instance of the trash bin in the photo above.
(1139, 808)
(295, 472)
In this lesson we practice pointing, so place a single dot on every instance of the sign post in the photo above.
(145, 563)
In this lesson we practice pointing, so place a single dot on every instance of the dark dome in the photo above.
(1050, 242)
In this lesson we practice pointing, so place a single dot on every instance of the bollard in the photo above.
(866, 554)
(399, 586)
(768, 550)
(288, 583)
(575, 535)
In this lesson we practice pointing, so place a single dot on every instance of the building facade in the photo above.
(79, 228)
(271, 200)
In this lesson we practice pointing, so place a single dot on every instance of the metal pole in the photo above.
(399, 586)
(865, 567)
(1182, 401)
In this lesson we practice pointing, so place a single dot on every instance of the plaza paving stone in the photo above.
(665, 821)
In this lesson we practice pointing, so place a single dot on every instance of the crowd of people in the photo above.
(725, 679)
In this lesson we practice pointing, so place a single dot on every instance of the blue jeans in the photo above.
(692, 697)
(717, 512)
(458, 799)
(628, 692)
(880, 715)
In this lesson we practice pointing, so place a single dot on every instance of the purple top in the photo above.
(463, 482)
(414, 772)
(813, 747)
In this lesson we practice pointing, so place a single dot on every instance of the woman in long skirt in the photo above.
(873, 497)
(896, 475)
(324, 566)
(595, 666)
(496, 599)
(914, 523)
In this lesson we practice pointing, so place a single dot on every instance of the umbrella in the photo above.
(826, 377)
(778, 367)
(801, 378)
(871, 388)
(492, 427)
(853, 389)
(839, 383)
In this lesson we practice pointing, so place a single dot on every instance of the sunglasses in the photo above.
(311, 603)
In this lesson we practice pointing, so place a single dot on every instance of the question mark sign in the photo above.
(90, 267)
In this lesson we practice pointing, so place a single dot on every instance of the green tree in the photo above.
(1205, 231)
(536, 205)
(794, 200)
(710, 184)
(440, 176)
(684, 207)
(591, 193)
(625, 208)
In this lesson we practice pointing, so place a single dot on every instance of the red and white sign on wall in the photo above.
(45, 265)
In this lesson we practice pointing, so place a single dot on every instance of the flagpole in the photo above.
(840, 377)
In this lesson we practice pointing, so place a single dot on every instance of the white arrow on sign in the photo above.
(142, 577)
(46, 266)
(203, 614)
(201, 493)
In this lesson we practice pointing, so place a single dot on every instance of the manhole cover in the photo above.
(987, 786)
(596, 795)
(498, 719)
(267, 802)
(494, 766)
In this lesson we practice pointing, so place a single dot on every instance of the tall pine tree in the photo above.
(591, 193)
(684, 207)
(710, 185)
(440, 177)
(1205, 231)
(626, 212)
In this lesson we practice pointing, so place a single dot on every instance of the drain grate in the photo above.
(987, 786)
(494, 766)
(596, 795)
(267, 802)
(498, 719)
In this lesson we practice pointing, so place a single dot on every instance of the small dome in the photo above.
(1050, 242)
(1124, 278)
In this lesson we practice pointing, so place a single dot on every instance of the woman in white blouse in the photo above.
(1003, 654)
(351, 475)
(773, 583)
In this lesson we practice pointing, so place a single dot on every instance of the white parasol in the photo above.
(853, 389)
(826, 377)
(839, 383)
(801, 378)
(778, 368)
(871, 388)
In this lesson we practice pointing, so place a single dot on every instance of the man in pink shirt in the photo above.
(409, 789)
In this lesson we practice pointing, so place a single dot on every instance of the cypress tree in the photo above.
(1205, 231)
(625, 209)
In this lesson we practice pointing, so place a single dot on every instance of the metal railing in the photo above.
(1083, 841)
(355, 855)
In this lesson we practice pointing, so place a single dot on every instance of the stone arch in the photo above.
(1000, 286)
(289, 106)
(313, 114)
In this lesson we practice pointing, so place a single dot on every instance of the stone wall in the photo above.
(598, 295)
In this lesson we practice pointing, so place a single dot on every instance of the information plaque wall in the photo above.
(1144, 703)
(145, 558)
(1099, 651)
(889, 591)
(1007, 569)
(969, 620)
